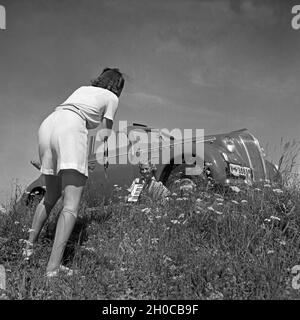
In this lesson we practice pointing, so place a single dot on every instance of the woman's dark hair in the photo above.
(111, 79)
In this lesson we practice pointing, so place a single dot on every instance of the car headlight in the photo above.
(229, 144)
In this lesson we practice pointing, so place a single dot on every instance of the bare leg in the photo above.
(43, 209)
(73, 184)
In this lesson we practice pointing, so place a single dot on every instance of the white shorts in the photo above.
(63, 143)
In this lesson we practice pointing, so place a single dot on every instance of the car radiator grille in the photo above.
(254, 156)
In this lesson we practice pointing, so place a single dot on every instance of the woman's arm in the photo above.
(105, 131)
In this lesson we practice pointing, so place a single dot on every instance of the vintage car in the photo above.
(234, 158)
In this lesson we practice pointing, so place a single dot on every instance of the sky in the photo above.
(217, 65)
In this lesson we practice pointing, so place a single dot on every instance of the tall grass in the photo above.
(238, 244)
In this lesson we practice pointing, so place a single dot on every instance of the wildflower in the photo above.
(274, 218)
(282, 242)
(270, 251)
(158, 217)
(267, 220)
(16, 222)
(198, 200)
(115, 185)
(184, 198)
(154, 240)
(146, 210)
(267, 185)
(244, 201)
(181, 216)
(175, 221)
(220, 199)
(235, 189)
(234, 201)
(90, 249)
(211, 208)
(218, 212)
(123, 269)
(257, 189)
(179, 199)
(278, 191)
(197, 211)
(2, 209)
(174, 194)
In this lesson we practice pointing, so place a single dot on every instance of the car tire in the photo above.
(181, 183)
(34, 198)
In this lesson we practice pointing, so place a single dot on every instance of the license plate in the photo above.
(237, 170)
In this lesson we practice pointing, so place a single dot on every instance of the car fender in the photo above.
(38, 183)
(212, 159)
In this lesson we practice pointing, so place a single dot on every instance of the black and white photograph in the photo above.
(150, 150)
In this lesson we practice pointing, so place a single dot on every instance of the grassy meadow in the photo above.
(235, 243)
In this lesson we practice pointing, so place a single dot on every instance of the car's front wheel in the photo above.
(180, 182)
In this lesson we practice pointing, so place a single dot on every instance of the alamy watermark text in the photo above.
(2, 18)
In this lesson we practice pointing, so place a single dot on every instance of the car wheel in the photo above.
(181, 183)
(34, 198)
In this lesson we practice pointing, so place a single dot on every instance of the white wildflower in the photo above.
(234, 201)
(211, 208)
(175, 221)
(274, 218)
(235, 189)
(2, 209)
(278, 191)
(267, 185)
(181, 216)
(179, 199)
(267, 220)
(174, 194)
(218, 212)
(90, 249)
(146, 210)
(154, 240)
(270, 251)
(282, 242)
(244, 201)
(198, 200)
